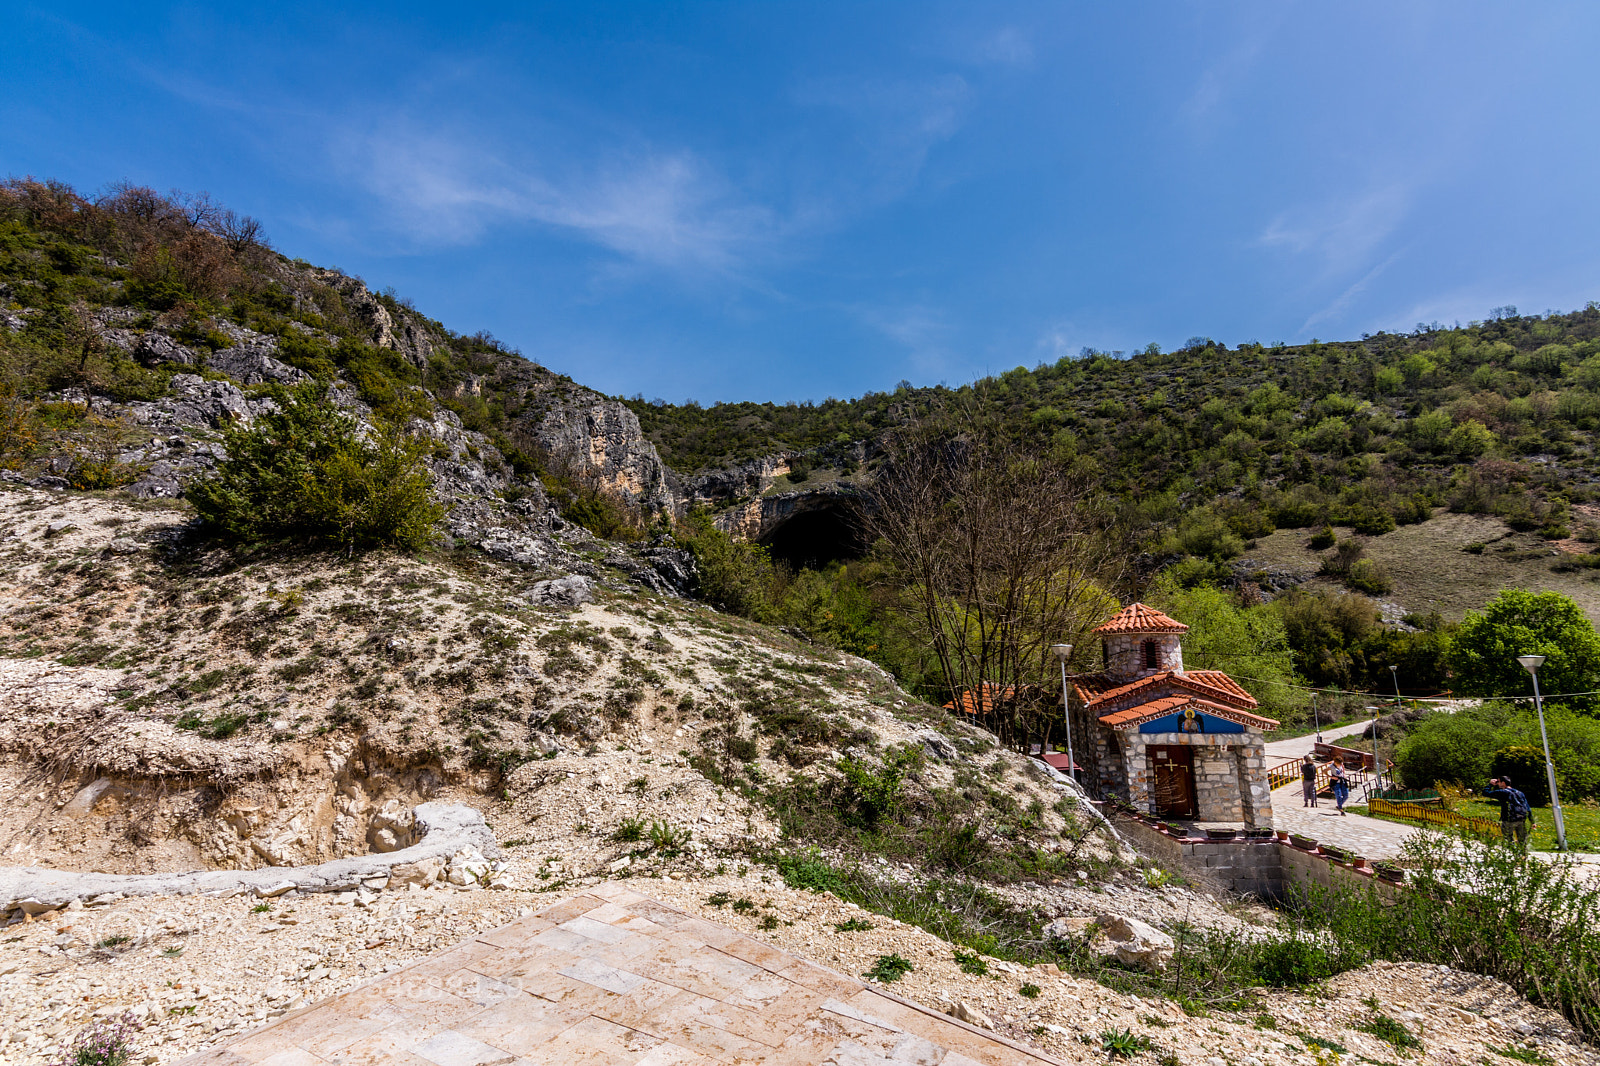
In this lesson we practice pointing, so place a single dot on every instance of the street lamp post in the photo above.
(1531, 663)
(1062, 652)
(1394, 677)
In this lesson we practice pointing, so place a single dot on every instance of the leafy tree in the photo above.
(1503, 739)
(1450, 747)
(735, 575)
(1483, 656)
(308, 470)
(1250, 643)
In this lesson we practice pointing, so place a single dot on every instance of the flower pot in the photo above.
(1283, 834)
(1222, 834)
(1304, 843)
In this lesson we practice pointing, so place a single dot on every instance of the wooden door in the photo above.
(1173, 769)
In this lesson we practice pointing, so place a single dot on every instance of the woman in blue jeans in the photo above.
(1341, 787)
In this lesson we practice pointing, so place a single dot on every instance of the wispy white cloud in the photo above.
(1057, 342)
(1343, 234)
(1342, 303)
(1008, 46)
(661, 208)
(1249, 37)
(917, 327)
(900, 121)
(924, 332)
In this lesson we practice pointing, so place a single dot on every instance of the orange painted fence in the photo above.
(1414, 812)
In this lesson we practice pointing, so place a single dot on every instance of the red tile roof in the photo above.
(1137, 618)
(1221, 682)
(1147, 712)
(1207, 683)
(992, 692)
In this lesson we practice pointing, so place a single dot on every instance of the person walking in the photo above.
(1308, 783)
(1341, 787)
(1516, 814)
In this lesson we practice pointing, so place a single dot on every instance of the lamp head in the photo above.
(1531, 663)
(1061, 651)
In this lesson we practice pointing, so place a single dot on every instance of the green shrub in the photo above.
(1291, 963)
(889, 968)
(1525, 768)
(866, 795)
(808, 870)
(628, 831)
(669, 839)
(735, 575)
(971, 963)
(1391, 1032)
(305, 471)
(1527, 922)
(1367, 576)
(1123, 1043)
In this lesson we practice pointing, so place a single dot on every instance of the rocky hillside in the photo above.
(311, 765)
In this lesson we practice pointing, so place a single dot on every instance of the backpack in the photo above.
(1517, 806)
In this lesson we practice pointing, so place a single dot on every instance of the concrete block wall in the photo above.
(1244, 867)
(1269, 869)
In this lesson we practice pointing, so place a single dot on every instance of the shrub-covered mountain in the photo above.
(1494, 417)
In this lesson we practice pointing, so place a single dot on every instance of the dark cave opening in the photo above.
(816, 538)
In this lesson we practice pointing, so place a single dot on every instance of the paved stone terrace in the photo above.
(1372, 838)
(614, 977)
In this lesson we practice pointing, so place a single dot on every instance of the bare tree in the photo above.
(198, 210)
(241, 232)
(1001, 552)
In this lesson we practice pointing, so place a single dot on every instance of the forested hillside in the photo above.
(1493, 417)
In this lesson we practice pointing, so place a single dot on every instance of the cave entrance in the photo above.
(816, 538)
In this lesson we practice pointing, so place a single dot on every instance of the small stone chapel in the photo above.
(1179, 744)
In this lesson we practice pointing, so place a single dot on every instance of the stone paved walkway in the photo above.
(1371, 838)
(1295, 747)
(613, 978)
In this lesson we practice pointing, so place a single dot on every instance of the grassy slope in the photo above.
(1432, 571)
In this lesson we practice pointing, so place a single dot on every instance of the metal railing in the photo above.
(1412, 812)
(1288, 773)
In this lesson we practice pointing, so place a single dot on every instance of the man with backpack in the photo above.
(1515, 813)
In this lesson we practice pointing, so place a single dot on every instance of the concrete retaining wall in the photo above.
(1269, 869)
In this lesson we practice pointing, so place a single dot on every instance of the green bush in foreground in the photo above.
(307, 471)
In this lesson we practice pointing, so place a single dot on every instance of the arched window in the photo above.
(1152, 655)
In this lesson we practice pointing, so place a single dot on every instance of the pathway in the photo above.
(613, 977)
(1372, 838)
(1295, 747)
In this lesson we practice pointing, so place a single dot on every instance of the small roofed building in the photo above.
(1176, 743)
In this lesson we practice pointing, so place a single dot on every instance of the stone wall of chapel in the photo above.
(1124, 653)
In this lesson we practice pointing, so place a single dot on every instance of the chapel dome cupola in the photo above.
(1139, 641)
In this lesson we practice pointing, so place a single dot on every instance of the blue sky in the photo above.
(780, 201)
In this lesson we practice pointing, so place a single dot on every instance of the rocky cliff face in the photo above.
(717, 488)
(405, 334)
(758, 518)
(601, 438)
